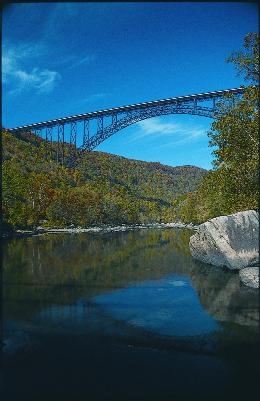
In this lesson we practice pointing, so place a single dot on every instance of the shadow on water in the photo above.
(126, 306)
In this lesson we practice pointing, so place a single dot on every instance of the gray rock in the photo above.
(250, 276)
(230, 241)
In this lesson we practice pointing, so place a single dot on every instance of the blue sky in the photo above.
(62, 59)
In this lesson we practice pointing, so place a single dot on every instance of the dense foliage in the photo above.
(99, 189)
(233, 184)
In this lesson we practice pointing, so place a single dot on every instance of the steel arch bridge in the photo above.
(87, 131)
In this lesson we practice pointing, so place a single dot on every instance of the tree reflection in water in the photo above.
(62, 273)
(130, 307)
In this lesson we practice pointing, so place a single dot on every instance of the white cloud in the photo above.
(7, 68)
(18, 76)
(43, 81)
(176, 133)
(156, 127)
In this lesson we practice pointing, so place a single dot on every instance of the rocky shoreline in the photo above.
(225, 241)
(230, 242)
(98, 229)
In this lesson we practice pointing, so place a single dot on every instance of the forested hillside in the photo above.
(99, 188)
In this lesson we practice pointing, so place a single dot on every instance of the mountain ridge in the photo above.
(98, 188)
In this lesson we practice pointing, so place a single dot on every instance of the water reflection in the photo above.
(168, 306)
(135, 282)
(222, 295)
(37, 268)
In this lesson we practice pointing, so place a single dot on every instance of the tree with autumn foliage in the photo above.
(235, 136)
(233, 184)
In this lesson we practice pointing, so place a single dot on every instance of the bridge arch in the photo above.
(128, 120)
(108, 122)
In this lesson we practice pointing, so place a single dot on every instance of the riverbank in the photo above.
(97, 229)
(231, 242)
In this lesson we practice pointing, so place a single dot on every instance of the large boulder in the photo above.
(250, 276)
(228, 241)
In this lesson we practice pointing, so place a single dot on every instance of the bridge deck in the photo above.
(107, 112)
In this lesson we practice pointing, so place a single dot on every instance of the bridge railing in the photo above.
(86, 131)
(107, 112)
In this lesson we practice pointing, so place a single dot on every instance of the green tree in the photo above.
(14, 187)
(247, 60)
(235, 136)
(39, 196)
(233, 184)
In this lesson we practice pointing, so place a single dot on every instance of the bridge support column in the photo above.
(114, 119)
(85, 134)
(48, 142)
(60, 144)
(73, 134)
(100, 124)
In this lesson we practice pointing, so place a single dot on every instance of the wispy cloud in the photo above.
(19, 75)
(156, 127)
(86, 60)
(176, 133)
(57, 16)
(43, 81)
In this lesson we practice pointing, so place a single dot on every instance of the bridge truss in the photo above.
(87, 131)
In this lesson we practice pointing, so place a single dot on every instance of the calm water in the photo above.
(124, 316)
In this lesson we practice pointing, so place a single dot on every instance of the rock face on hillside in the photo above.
(228, 241)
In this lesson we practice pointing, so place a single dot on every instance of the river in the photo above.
(124, 316)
